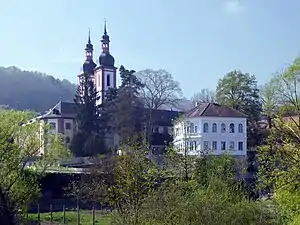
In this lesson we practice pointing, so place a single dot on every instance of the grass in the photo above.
(71, 218)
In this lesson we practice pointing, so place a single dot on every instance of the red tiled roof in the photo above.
(213, 110)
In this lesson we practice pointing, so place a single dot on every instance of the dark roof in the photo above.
(65, 107)
(213, 110)
(163, 117)
(61, 109)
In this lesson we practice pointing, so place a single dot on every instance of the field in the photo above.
(71, 218)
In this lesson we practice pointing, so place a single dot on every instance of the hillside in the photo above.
(32, 90)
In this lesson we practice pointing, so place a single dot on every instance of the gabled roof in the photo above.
(65, 107)
(214, 110)
(61, 109)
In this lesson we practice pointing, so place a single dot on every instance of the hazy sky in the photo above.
(198, 41)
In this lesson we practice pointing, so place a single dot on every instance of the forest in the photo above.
(20, 89)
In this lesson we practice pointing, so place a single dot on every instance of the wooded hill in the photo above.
(35, 91)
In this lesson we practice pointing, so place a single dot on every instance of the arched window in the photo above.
(223, 127)
(240, 128)
(192, 128)
(196, 129)
(107, 80)
(205, 128)
(231, 128)
(214, 128)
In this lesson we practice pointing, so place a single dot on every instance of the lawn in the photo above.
(71, 218)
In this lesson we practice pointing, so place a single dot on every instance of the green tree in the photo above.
(239, 91)
(279, 158)
(126, 109)
(29, 90)
(89, 140)
(204, 95)
(20, 143)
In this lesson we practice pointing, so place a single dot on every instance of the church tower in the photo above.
(88, 65)
(105, 73)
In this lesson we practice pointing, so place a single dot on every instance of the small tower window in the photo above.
(107, 80)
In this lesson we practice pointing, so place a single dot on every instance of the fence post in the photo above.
(78, 218)
(93, 215)
(27, 218)
(51, 218)
(64, 214)
(38, 212)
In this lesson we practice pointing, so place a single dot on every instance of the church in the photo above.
(61, 117)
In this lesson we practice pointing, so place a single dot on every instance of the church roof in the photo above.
(214, 110)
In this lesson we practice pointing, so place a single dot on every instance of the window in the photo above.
(240, 128)
(53, 126)
(156, 129)
(176, 132)
(188, 129)
(231, 128)
(223, 145)
(68, 126)
(223, 128)
(192, 146)
(241, 146)
(107, 80)
(231, 145)
(161, 130)
(205, 145)
(214, 128)
(67, 140)
(196, 129)
(192, 128)
(214, 145)
(205, 127)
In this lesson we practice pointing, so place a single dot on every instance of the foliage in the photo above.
(20, 143)
(89, 139)
(71, 217)
(160, 89)
(239, 91)
(20, 89)
(205, 95)
(217, 199)
(125, 111)
(135, 176)
(279, 158)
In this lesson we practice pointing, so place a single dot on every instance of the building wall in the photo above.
(199, 135)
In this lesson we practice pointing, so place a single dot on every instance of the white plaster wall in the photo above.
(200, 137)
(69, 133)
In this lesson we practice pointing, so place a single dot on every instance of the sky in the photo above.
(197, 41)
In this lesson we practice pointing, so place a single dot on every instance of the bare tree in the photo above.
(204, 95)
(160, 89)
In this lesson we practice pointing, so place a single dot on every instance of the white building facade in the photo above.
(213, 129)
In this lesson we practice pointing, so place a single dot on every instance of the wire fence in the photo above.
(67, 216)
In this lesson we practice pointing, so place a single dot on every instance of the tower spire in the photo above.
(89, 65)
(89, 40)
(105, 32)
